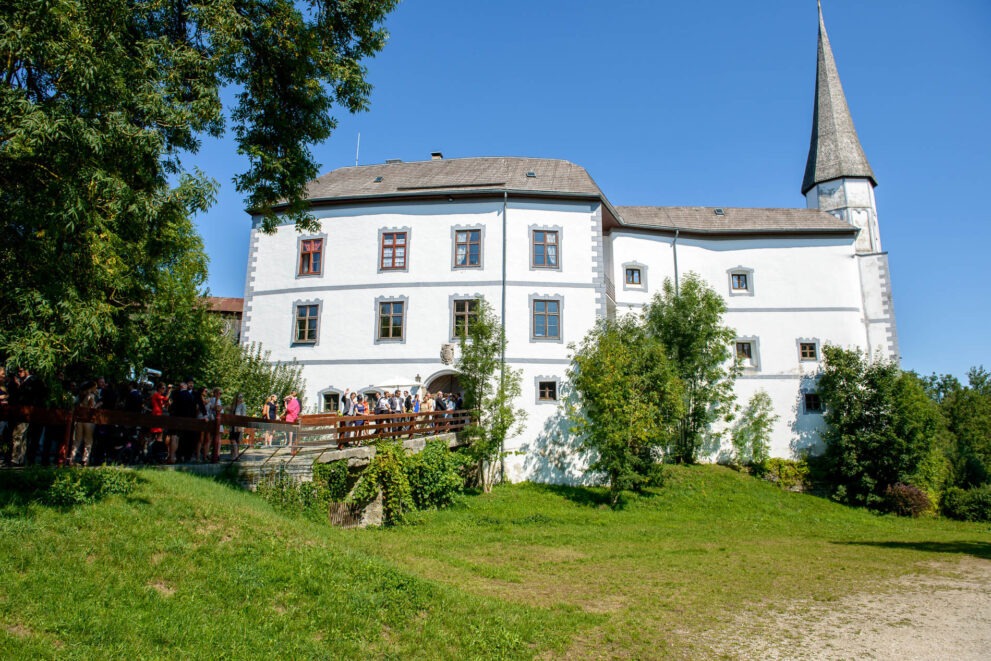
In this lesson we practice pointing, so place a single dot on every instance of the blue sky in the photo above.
(702, 103)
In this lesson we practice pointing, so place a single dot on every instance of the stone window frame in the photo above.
(378, 255)
(294, 342)
(454, 247)
(809, 340)
(643, 276)
(299, 255)
(754, 342)
(537, 380)
(330, 390)
(740, 270)
(559, 298)
(375, 330)
(559, 229)
(450, 311)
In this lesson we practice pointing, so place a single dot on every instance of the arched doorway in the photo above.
(447, 383)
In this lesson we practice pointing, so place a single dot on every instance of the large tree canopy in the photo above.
(100, 101)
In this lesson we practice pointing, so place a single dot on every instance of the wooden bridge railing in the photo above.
(310, 431)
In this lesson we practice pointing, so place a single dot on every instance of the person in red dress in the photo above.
(159, 400)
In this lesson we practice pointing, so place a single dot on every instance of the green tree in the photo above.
(490, 389)
(689, 324)
(99, 102)
(751, 433)
(249, 370)
(628, 401)
(881, 428)
(968, 415)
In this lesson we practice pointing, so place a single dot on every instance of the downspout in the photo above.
(674, 245)
(502, 321)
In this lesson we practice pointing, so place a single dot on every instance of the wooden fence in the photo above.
(308, 431)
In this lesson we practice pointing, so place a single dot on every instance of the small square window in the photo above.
(310, 256)
(467, 248)
(633, 276)
(547, 391)
(813, 404)
(391, 315)
(393, 252)
(808, 351)
(544, 253)
(546, 320)
(740, 282)
(465, 313)
(306, 323)
(745, 351)
(331, 401)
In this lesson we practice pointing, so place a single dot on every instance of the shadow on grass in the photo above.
(976, 549)
(595, 497)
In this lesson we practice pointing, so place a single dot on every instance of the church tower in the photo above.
(839, 180)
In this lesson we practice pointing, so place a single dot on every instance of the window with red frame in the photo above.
(393, 255)
(310, 256)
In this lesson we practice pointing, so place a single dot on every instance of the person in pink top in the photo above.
(292, 414)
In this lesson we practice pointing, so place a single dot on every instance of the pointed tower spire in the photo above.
(835, 150)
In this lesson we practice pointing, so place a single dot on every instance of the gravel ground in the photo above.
(944, 613)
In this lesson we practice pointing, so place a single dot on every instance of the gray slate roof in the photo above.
(835, 150)
(455, 175)
(704, 220)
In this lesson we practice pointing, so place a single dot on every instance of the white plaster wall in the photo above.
(804, 290)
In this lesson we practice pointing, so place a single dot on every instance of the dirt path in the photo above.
(945, 614)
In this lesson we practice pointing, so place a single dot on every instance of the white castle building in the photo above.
(373, 300)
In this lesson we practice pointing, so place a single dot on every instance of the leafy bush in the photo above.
(386, 473)
(434, 476)
(751, 435)
(332, 476)
(787, 474)
(968, 504)
(907, 500)
(287, 493)
(82, 487)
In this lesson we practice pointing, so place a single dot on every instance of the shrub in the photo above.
(787, 474)
(968, 504)
(81, 487)
(751, 435)
(907, 500)
(289, 494)
(333, 477)
(386, 473)
(434, 476)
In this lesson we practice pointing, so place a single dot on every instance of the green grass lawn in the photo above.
(189, 568)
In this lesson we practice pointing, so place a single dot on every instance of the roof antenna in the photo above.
(357, 147)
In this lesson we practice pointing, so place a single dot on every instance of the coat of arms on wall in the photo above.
(447, 353)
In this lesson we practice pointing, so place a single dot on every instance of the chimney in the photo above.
(436, 156)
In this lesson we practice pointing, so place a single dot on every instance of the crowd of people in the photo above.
(26, 442)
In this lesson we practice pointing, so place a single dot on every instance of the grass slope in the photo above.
(190, 568)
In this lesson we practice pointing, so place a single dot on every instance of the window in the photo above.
(746, 352)
(813, 404)
(741, 281)
(310, 256)
(808, 351)
(306, 323)
(391, 315)
(467, 248)
(547, 320)
(633, 276)
(331, 401)
(465, 313)
(547, 391)
(544, 252)
(393, 256)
